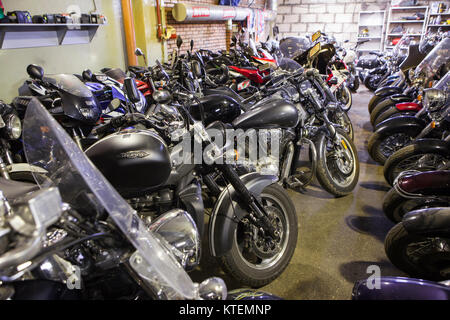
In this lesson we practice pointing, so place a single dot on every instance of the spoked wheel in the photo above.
(338, 164)
(425, 256)
(382, 146)
(255, 259)
(403, 161)
(344, 96)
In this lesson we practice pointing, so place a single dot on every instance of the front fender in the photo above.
(407, 124)
(426, 221)
(227, 212)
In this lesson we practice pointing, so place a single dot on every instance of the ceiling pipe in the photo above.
(184, 12)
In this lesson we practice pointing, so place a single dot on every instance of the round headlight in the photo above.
(434, 99)
(13, 126)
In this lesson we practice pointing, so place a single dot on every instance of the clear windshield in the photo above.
(433, 61)
(401, 45)
(444, 83)
(293, 46)
(48, 146)
(69, 83)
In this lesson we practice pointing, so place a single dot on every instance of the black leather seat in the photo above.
(14, 189)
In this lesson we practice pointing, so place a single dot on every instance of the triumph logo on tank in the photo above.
(133, 155)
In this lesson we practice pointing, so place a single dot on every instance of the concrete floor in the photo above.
(338, 238)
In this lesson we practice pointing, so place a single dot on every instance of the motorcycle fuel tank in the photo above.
(216, 107)
(133, 161)
(274, 113)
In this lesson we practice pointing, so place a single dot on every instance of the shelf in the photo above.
(370, 38)
(401, 34)
(409, 8)
(408, 21)
(439, 14)
(439, 25)
(13, 35)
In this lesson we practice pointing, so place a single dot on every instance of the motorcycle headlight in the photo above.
(13, 127)
(434, 99)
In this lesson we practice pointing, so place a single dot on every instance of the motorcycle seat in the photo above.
(430, 183)
(14, 189)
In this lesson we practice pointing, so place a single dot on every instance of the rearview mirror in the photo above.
(316, 36)
(35, 71)
(275, 31)
(87, 75)
(192, 44)
(179, 42)
(234, 39)
(138, 52)
(131, 90)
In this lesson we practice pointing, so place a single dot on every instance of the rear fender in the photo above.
(387, 91)
(426, 221)
(408, 124)
(408, 106)
(397, 98)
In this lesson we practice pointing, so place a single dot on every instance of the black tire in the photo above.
(342, 118)
(392, 112)
(396, 206)
(243, 271)
(325, 177)
(391, 167)
(378, 141)
(396, 244)
(374, 101)
(372, 81)
(379, 109)
(346, 103)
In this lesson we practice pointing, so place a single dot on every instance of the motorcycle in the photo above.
(414, 190)
(395, 133)
(253, 225)
(96, 232)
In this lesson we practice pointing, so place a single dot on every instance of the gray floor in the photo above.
(338, 238)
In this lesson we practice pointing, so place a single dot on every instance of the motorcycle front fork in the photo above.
(258, 215)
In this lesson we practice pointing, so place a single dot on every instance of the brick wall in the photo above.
(206, 35)
(334, 17)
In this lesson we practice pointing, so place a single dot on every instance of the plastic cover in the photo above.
(69, 83)
(429, 66)
(294, 46)
(48, 146)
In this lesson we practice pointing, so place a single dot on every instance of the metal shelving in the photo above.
(13, 35)
(416, 28)
(374, 21)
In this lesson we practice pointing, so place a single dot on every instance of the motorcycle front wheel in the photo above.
(424, 256)
(256, 261)
(344, 96)
(337, 165)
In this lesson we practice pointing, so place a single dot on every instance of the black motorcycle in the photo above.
(253, 225)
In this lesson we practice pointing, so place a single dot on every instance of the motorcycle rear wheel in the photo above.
(344, 96)
(424, 256)
(253, 266)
